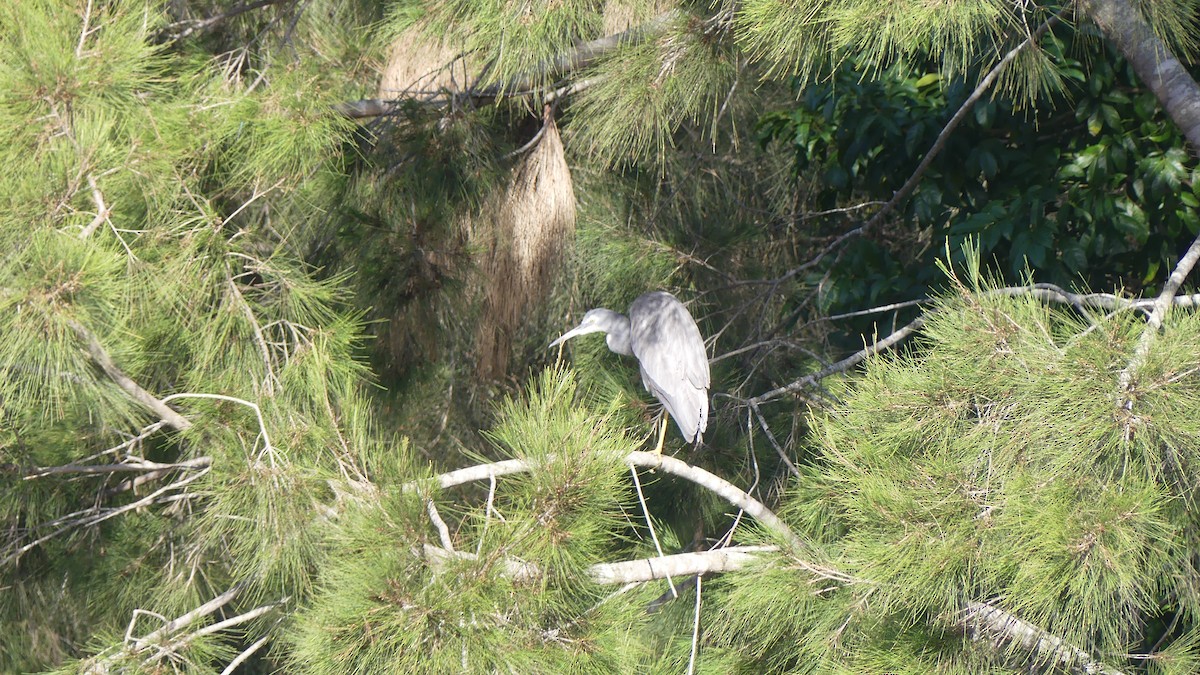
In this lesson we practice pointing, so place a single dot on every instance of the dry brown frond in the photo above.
(419, 64)
(526, 236)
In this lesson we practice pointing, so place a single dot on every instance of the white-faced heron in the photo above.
(661, 333)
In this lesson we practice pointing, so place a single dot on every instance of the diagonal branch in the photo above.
(181, 29)
(1153, 62)
(934, 150)
(102, 359)
(843, 365)
(982, 620)
(1161, 304)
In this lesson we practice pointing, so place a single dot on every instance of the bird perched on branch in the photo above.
(664, 338)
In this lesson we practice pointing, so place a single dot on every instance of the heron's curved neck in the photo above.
(617, 328)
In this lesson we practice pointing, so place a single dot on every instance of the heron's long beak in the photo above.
(574, 332)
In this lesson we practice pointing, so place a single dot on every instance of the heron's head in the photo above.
(595, 321)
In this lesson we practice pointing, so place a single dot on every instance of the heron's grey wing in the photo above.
(673, 359)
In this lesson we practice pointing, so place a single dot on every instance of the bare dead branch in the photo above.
(676, 467)
(443, 531)
(843, 365)
(94, 516)
(102, 210)
(167, 636)
(133, 466)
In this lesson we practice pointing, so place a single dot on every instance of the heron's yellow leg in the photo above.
(662, 435)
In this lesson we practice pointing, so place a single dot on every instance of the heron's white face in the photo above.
(591, 324)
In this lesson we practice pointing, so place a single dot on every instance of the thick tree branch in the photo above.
(676, 467)
(678, 565)
(1153, 62)
(984, 621)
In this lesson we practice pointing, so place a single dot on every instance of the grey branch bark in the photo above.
(678, 565)
(1179, 95)
(1153, 62)
(102, 359)
(715, 484)
(984, 621)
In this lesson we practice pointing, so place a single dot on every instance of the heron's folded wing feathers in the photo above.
(672, 356)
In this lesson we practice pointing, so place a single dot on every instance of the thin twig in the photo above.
(771, 438)
(934, 150)
(843, 365)
(101, 663)
(181, 29)
(650, 524)
(696, 627)
(528, 83)
(98, 516)
(262, 425)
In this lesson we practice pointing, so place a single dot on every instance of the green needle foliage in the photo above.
(994, 464)
(237, 331)
(519, 596)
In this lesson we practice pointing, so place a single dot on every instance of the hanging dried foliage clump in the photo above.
(525, 236)
(619, 16)
(420, 64)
